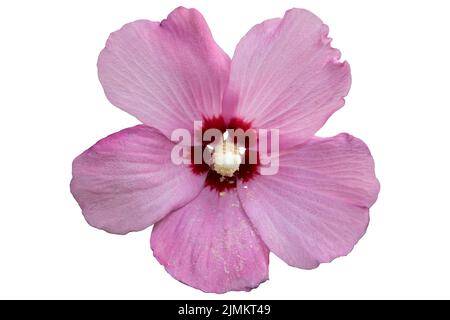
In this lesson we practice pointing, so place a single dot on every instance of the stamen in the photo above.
(224, 162)
(226, 157)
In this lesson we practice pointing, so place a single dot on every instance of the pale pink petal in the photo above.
(126, 182)
(317, 206)
(285, 75)
(209, 244)
(166, 74)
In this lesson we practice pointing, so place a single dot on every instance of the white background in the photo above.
(53, 108)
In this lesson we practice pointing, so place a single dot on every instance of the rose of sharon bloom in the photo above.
(213, 226)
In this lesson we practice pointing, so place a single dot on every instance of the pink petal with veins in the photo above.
(165, 74)
(210, 244)
(317, 206)
(286, 76)
(127, 181)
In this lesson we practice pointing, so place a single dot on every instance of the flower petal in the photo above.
(316, 207)
(166, 74)
(286, 76)
(210, 245)
(126, 182)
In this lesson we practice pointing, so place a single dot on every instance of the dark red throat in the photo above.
(246, 170)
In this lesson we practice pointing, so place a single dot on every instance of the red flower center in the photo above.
(229, 159)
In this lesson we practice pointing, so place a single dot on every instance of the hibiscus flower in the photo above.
(215, 223)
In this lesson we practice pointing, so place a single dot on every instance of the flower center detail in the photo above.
(226, 157)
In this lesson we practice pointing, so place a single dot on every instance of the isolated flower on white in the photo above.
(215, 223)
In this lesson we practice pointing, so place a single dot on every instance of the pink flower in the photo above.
(214, 231)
